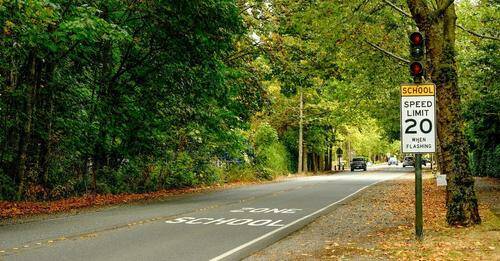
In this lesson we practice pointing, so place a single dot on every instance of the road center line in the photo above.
(236, 249)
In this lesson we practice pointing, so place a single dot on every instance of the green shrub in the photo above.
(208, 174)
(493, 162)
(272, 158)
(235, 173)
(111, 182)
(265, 136)
(485, 162)
(181, 172)
(290, 140)
(7, 187)
(276, 158)
(264, 173)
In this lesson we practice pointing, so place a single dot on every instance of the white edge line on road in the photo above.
(236, 249)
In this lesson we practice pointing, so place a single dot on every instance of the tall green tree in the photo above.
(114, 96)
(479, 71)
(439, 25)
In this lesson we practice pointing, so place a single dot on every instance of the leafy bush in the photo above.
(276, 158)
(265, 136)
(235, 173)
(7, 191)
(290, 140)
(264, 173)
(486, 162)
(109, 181)
(272, 158)
(136, 176)
(209, 174)
(181, 172)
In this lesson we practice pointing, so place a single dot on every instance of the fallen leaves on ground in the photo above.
(441, 242)
(13, 209)
(10, 209)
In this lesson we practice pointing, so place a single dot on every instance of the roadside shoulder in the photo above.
(379, 224)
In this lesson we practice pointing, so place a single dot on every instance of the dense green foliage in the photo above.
(271, 156)
(318, 48)
(481, 87)
(116, 96)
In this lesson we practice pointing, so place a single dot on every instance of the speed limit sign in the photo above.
(418, 118)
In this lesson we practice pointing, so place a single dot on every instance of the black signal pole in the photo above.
(417, 51)
(419, 215)
(419, 219)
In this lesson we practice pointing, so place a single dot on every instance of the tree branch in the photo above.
(406, 14)
(442, 8)
(360, 5)
(241, 53)
(248, 7)
(387, 52)
(395, 7)
(478, 35)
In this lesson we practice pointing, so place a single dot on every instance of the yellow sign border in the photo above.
(424, 89)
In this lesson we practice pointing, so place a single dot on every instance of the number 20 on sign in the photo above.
(418, 118)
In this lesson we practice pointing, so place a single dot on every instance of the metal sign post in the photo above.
(419, 217)
(418, 134)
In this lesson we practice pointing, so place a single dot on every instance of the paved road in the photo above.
(221, 225)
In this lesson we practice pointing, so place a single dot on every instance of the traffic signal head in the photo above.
(416, 69)
(417, 52)
(417, 45)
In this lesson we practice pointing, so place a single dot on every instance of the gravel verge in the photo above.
(378, 225)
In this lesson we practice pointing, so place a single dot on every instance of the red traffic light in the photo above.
(416, 38)
(417, 52)
(416, 69)
(417, 47)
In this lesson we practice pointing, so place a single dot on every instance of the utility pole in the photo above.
(349, 156)
(301, 138)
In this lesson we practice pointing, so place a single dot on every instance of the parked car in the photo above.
(392, 161)
(358, 163)
(425, 161)
(409, 161)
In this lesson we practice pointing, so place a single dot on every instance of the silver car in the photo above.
(392, 161)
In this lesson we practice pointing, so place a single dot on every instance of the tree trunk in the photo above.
(349, 153)
(439, 29)
(314, 162)
(46, 142)
(321, 159)
(26, 129)
(304, 159)
(301, 139)
(329, 159)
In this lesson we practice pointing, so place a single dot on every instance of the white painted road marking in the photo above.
(230, 222)
(267, 210)
(236, 249)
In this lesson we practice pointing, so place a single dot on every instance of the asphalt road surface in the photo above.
(221, 225)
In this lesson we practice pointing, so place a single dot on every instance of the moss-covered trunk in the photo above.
(439, 28)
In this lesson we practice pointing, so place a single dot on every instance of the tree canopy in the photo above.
(115, 96)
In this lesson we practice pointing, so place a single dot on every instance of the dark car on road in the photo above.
(409, 161)
(358, 163)
(425, 161)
